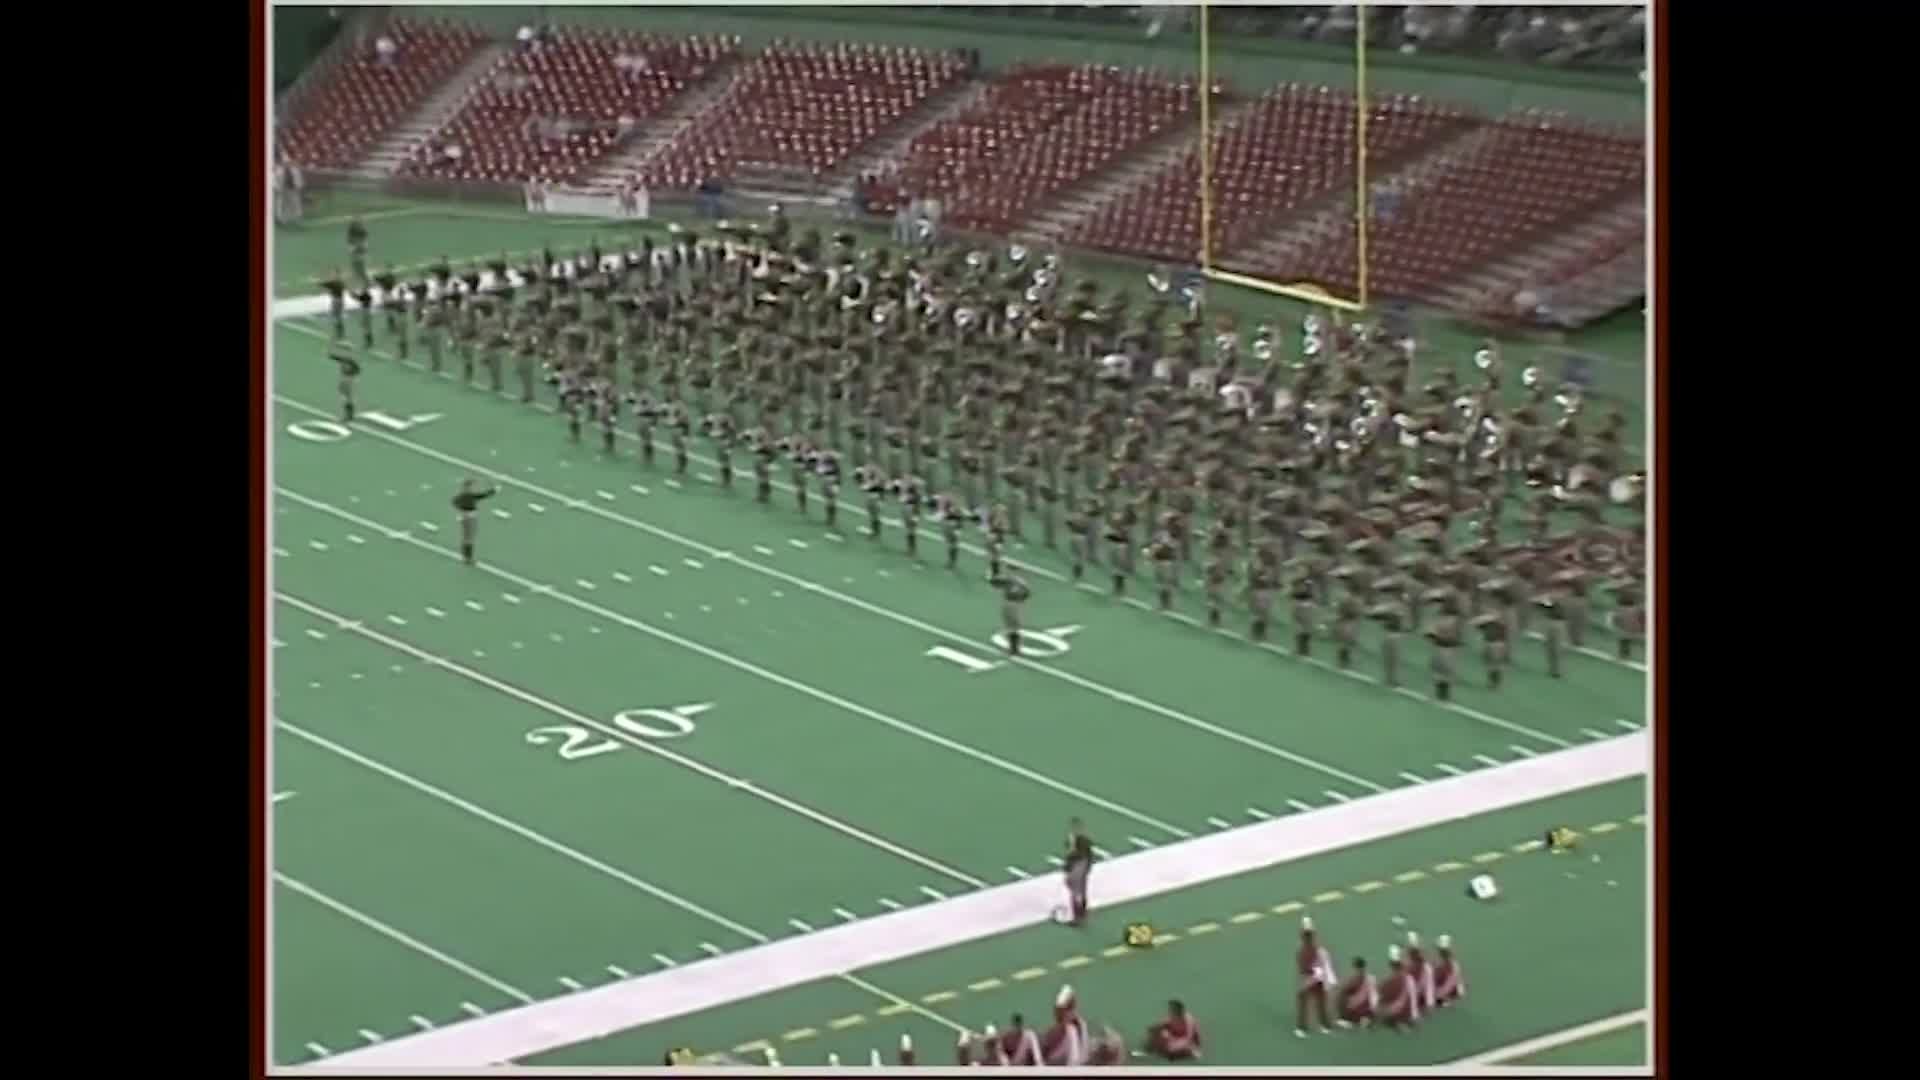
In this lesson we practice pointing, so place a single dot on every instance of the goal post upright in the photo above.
(1306, 292)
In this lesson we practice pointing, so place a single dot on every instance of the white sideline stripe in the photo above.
(1557, 1038)
(643, 745)
(1122, 696)
(390, 933)
(763, 673)
(884, 939)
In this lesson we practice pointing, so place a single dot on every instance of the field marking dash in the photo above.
(1521, 750)
(708, 477)
(665, 961)
(283, 796)
(932, 893)
(475, 605)
(1410, 876)
(1638, 819)
(844, 1022)
(570, 983)
(278, 644)
(1025, 974)
(762, 549)
(396, 620)
(693, 564)
(638, 490)
(1450, 770)
(891, 905)
(421, 1022)
(1528, 845)
(1448, 867)
(1102, 852)
(1489, 856)
(984, 985)
(356, 538)
(316, 635)
(1592, 734)
(845, 915)
(1202, 928)
(800, 926)
(1485, 760)
(835, 537)
(316, 545)
(1019, 873)
(585, 584)
(318, 1050)
(1114, 952)
(1331, 896)
(370, 1036)
(555, 637)
(1247, 917)
(799, 1033)
(1413, 777)
(622, 578)
(1335, 796)
(659, 570)
(436, 613)
(1366, 887)
(618, 972)
(894, 1009)
(536, 508)
(711, 949)
(472, 1009)
(1139, 843)
(672, 483)
(499, 513)
(798, 543)
(757, 1046)
(1056, 860)
(1287, 908)
(607, 495)
(1220, 823)
(1258, 814)
(1604, 827)
(509, 598)
(283, 553)
(1298, 805)
(1628, 724)
(1072, 962)
(429, 526)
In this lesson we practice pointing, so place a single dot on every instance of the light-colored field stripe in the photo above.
(356, 538)
(430, 526)
(1018, 873)
(770, 676)
(1604, 827)
(282, 796)
(1121, 696)
(1025, 974)
(845, 915)
(891, 905)
(1298, 805)
(1409, 876)
(623, 579)
(1549, 1041)
(638, 490)
(1114, 952)
(1139, 843)
(1592, 734)
(1258, 814)
(471, 1009)
(844, 1022)
(436, 613)
(1220, 823)
(1331, 896)
(396, 620)
(1521, 750)
(1525, 846)
(800, 926)
(798, 543)
(585, 584)
(1102, 852)
(665, 961)
(400, 937)
(421, 1022)
(316, 545)
(1450, 770)
(1335, 796)
(371, 1036)
(1198, 929)
(648, 746)
(710, 948)
(1287, 908)
(570, 983)
(1246, 917)
(315, 634)
(536, 508)
(509, 598)
(607, 495)
(1485, 760)
(1489, 856)
(659, 571)
(762, 549)
(502, 514)
(317, 1050)
(475, 605)
(984, 985)
(1628, 724)
(932, 893)
(1366, 887)
(1448, 867)
(1072, 962)
(939, 996)
(674, 484)
(1413, 778)
(618, 972)
(283, 553)
(1056, 860)
(521, 831)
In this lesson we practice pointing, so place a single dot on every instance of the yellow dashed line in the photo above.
(984, 985)
(1329, 896)
(847, 1021)
(1369, 886)
(1115, 952)
(895, 1009)
(1165, 939)
(1411, 875)
(799, 1033)
(1604, 827)
(1074, 962)
(938, 997)
(1202, 928)
(1287, 908)
(1530, 845)
(1489, 856)
(757, 1046)
(1247, 917)
(1448, 867)
(1029, 973)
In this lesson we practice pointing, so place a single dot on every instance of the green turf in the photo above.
(1574, 908)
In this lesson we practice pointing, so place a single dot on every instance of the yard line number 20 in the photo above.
(577, 742)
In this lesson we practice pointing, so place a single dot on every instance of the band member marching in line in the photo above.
(873, 483)
(1359, 996)
(827, 464)
(1449, 980)
(950, 516)
(1314, 964)
(906, 1055)
(342, 355)
(1078, 868)
(1176, 1038)
(908, 491)
(336, 287)
(1013, 599)
(465, 503)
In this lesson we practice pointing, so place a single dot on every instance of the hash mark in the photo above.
(436, 613)
(660, 570)
(762, 549)
(1412, 778)
(710, 948)
(800, 926)
(472, 1009)
(356, 538)
(499, 513)
(474, 605)
(585, 584)
(315, 634)
(1139, 843)
(932, 893)
(691, 563)
(637, 489)
(1628, 724)
(1219, 823)
(622, 578)
(607, 495)
(421, 1022)
(1521, 750)
(571, 984)
(1449, 769)
(1298, 805)
(318, 1050)
(618, 972)
(1336, 796)
(370, 1036)
(665, 961)
(845, 915)
(509, 598)
(316, 545)
(429, 526)
(1485, 760)
(1592, 734)
(1258, 814)
(890, 905)
(1019, 873)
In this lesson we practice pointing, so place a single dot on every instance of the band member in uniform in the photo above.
(1359, 996)
(906, 1056)
(1013, 598)
(827, 464)
(950, 516)
(1304, 612)
(466, 502)
(1399, 1006)
(678, 424)
(873, 483)
(645, 413)
(336, 301)
(907, 490)
(1314, 966)
(524, 361)
(342, 354)
(1065, 1043)
(1018, 1046)
(1449, 981)
(1176, 1038)
(1419, 972)
(608, 404)
(1162, 553)
(1079, 867)
(1493, 629)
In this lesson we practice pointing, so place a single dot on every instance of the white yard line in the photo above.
(754, 669)
(1558, 1038)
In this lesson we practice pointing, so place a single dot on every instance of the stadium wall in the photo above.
(1251, 63)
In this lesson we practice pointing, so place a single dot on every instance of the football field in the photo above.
(661, 723)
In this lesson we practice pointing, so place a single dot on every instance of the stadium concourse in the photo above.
(669, 767)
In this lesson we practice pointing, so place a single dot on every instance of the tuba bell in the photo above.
(1158, 281)
(1017, 254)
(1530, 377)
(1483, 359)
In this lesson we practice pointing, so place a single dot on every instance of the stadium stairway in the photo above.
(890, 150)
(1492, 286)
(1602, 289)
(1282, 243)
(393, 149)
(1065, 213)
(647, 141)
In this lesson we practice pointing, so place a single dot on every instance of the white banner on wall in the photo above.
(580, 202)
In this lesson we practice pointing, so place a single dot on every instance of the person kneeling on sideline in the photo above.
(1177, 1038)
